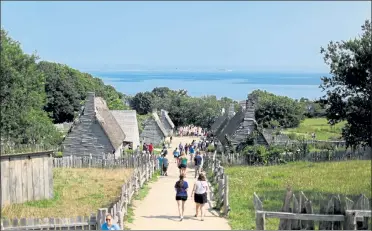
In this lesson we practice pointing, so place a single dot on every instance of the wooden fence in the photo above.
(142, 173)
(298, 214)
(219, 181)
(26, 177)
(252, 159)
(108, 161)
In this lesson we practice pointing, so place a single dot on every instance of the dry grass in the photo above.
(77, 192)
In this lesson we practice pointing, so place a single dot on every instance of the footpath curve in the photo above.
(158, 210)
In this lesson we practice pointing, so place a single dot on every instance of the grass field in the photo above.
(316, 180)
(77, 192)
(319, 126)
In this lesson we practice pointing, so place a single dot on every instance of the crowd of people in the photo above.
(185, 155)
(191, 130)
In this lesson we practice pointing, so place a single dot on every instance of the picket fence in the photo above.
(220, 181)
(298, 214)
(144, 168)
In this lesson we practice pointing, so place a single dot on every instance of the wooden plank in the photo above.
(286, 224)
(18, 178)
(12, 182)
(260, 218)
(296, 209)
(30, 190)
(300, 216)
(362, 204)
(50, 178)
(35, 178)
(5, 190)
(45, 185)
(24, 166)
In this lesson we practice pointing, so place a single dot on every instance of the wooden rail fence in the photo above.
(141, 174)
(251, 159)
(220, 180)
(298, 214)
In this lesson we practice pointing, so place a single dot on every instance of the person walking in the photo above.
(192, 151)
(160, 161)
(176, 154)
(151, 148)
(186, 148)
(170, 139)
(108, 225)
(198, 162)
(199, 192)
(183, 164)
(165, 165)
(181, 187)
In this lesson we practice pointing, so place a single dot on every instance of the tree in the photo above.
(349, 88)
(22, 95)
(142, 102)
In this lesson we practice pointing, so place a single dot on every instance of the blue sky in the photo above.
(269, 36)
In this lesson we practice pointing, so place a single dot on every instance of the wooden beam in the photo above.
(296, 216)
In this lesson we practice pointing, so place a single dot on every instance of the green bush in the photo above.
(211, 148)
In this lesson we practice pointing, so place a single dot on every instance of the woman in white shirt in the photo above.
(200, 197)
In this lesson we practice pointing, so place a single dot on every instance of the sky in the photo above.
(256, 36)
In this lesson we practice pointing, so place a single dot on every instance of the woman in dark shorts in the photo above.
(200, 196)
(182, 164)
(181, 194)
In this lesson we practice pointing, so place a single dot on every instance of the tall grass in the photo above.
(316, 180)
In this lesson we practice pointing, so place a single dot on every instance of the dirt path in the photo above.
(158, 211)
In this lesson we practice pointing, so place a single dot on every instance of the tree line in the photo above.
(34, 95)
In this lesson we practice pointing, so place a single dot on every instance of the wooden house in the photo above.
(153, 131)
(127, 119)
(95, 131)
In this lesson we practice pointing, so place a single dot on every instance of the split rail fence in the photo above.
(144, 168)
(298, 214)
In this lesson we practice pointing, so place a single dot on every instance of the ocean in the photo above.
(235, 85)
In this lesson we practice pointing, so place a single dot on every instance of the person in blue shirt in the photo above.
(181, 187)
(160, 159)
(192, 151)
(176, 154)
(165, 165)
(108, 224)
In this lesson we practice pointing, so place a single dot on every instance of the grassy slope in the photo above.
(322, 129)
(77, 192)
(344, 178)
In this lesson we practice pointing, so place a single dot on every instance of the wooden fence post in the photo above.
(121, 220)
(101, 215)
(226, 196)
(260, 217)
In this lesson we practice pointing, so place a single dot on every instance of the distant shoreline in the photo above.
(235, 85)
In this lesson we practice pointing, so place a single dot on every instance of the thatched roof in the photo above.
(231, 126)
(158, 122)
(269, 135)
(127, 120)
(217, 123)
(170, 122)
(108, 123)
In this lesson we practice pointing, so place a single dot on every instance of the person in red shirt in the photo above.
(151, 148)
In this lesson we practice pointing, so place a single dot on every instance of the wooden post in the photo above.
(121, 220)
(260, 217)
(101, 215)
(226, 197)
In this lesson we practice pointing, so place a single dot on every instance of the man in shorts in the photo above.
(198, 163)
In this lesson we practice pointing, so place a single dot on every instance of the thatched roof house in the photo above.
(95, 132)
(153, 131)
(127, 119)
